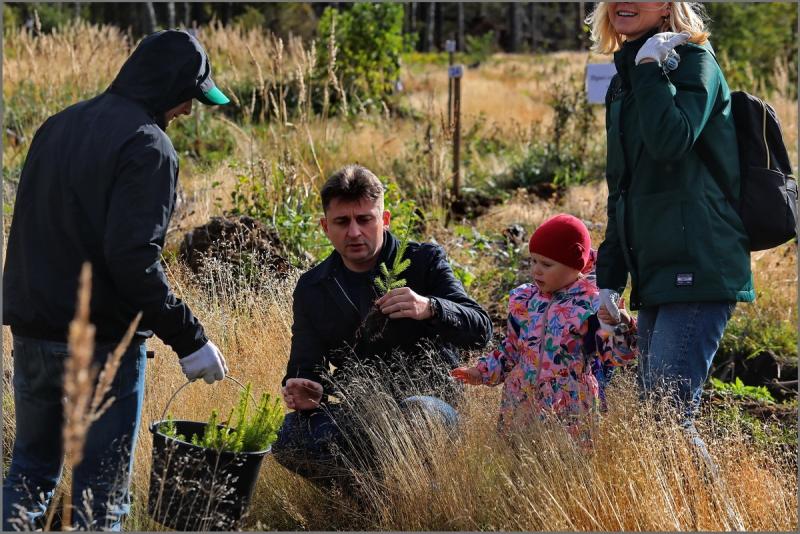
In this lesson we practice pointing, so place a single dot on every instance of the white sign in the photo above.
(598, 77)
(456, 71)
(450, 46)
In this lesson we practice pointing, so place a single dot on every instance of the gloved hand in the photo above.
(206, 362)
(608, 300)
(660, 46)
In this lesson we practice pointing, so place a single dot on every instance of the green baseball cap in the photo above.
(208, 93)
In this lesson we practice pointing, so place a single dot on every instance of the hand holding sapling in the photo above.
(404, 303)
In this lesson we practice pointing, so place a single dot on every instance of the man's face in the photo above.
(184, 108)
(355, 229)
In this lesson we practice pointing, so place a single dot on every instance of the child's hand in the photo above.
(605, 316)
(468, 375)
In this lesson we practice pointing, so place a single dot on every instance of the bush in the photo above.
(201, 136)
(752, 333)
(479, 47)
(369, 41)
(568, 157)
(276, 200)
(750, 38)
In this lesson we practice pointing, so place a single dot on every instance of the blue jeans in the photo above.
(315, 443)
(37, 457)
(677, 344)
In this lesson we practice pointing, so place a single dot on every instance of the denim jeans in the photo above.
(100, 481)
(320, 445)
(677, 344)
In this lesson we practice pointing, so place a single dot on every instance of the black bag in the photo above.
(768, 196)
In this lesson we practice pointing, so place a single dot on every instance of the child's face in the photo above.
(550, 275)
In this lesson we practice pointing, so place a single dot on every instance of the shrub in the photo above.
(202, 136)
(568, 156)
(479, 47)
(752, 333)
(750, 38)
(369, 41)
(738, 389)
(279, 201)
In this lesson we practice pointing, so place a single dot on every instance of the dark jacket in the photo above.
(326, 322)
(99, 185)
(670, 225)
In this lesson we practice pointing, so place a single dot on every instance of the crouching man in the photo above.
(407, 340)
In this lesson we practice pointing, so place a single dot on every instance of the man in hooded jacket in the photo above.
(99, 185)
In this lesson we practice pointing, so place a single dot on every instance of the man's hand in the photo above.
(658, 47)
(468, 375)
(206, 362)
(302, 394)
(403, 303)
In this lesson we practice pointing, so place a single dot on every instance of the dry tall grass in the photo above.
(640, 475)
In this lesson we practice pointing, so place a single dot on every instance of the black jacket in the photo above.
(326, 322)
(99, 185)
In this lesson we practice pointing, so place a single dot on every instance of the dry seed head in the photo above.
(109, 371)
(78, 375)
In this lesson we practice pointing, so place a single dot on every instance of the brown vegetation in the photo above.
(640, 475)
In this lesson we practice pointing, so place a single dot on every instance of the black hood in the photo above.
(167, 68)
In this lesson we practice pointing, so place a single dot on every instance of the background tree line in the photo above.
(756, 41)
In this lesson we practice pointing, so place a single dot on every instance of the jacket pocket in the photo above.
(657, 228)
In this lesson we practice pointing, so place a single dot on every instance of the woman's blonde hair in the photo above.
(683, 17)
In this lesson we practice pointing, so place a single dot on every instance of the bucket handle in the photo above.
(229, 377)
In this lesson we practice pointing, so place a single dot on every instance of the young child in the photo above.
(555, 343)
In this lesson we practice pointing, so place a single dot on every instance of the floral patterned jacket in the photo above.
(542, 362)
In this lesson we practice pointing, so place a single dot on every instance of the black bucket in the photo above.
(195, 488)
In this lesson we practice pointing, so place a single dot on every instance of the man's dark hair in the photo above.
(351, 184)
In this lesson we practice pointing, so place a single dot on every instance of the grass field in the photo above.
(640, 475)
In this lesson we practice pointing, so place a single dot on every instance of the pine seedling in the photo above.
(263, 428)
(390, 279)
(170, 429)
(240, 433)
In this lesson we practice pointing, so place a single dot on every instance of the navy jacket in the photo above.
(98, 185)
(326, 321)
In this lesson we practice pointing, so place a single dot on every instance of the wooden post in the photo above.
(450, 45)
(457, 132)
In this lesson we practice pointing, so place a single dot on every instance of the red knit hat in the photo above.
(563, 238)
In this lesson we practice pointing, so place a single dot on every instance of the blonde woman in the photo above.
(671, 157)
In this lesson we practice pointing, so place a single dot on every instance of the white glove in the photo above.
(206, 362)
(660, 46)
(608, 300)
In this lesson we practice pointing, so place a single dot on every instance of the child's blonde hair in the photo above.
(683, 17)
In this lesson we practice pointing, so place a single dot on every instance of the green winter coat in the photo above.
(670, 225)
